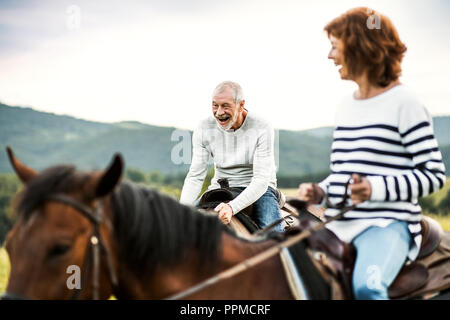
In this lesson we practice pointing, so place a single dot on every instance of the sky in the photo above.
(158, 61)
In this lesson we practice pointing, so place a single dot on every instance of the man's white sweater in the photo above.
(244, 156)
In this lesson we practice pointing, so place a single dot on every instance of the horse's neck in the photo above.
(235, 250)
(168, 281)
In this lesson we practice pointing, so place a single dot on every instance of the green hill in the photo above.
(303, 152)
(442, 130)
(43, 139)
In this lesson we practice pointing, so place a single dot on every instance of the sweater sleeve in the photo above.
(324, 185)
(197, 172)
(428, 173)
(263, 165)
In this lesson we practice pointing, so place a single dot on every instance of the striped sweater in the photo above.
(389, 139)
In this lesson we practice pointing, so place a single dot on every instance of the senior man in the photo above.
(242, 147)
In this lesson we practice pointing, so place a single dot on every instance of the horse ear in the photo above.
(25, 173)
(111, 176)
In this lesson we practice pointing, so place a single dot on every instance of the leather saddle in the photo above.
(429, 273)
(212, 198)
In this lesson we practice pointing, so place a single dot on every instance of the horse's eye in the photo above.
(58, 250)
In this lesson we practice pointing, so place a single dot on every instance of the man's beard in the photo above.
(228, 125)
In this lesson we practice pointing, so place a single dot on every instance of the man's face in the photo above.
(225, 109)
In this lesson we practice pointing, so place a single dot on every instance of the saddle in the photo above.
(225, 193)
(429, 273)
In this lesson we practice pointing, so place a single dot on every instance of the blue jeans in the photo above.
(267, 210)
(380, 254)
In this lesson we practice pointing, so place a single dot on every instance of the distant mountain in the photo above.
(43, 139)
(441, 127)
(303, 152)
(322, 132)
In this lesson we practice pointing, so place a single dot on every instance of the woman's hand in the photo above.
(310, 193)
(360, 189)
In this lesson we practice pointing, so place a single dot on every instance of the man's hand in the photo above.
(310, 193)
(360, 189)
(225, 212)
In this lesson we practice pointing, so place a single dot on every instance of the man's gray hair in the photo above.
(238, 94)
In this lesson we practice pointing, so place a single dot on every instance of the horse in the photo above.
(155, 246)
(133, 242)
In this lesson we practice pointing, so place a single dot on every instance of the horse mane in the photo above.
(58, 179)
(153, 229)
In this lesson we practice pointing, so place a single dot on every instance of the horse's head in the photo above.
(62, 222)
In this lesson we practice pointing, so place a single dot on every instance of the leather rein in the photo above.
(270, 252)
(95, 245)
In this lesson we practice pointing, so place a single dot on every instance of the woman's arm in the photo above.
(428, 174)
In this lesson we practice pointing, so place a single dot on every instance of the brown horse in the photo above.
(131, 242)
(156, 246)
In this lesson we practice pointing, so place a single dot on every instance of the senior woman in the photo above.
(384, 140)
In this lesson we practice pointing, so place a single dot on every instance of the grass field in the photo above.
(4, 269)
(4, 261)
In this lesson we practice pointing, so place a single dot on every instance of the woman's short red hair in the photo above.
(370, 44)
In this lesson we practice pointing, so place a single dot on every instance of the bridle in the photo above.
(95, 244)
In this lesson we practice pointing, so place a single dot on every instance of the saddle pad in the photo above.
(304, 280)
(296, 285)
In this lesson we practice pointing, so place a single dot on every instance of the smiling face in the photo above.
(366, 54)
(228, 114)
(337, 55)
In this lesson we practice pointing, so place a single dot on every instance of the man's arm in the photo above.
(197, 172)
(263, 167)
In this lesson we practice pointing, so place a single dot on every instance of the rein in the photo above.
(268, 253)
(95, 243)
(257, 259)
(276, 222)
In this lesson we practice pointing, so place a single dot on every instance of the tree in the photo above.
(9, 187)
(155, 177)
(427, 204)
(444, 204)
(135, 175)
